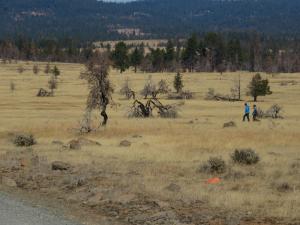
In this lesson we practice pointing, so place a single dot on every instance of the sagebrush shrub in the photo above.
(214, 165)
(245, 156)
(23, 140)
(284, 187)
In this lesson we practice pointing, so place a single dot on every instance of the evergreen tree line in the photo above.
(211, 52)
(63, 50)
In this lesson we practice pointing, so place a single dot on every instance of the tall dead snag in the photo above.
(100, 88)
(236, 89)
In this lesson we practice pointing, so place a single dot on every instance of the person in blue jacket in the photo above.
(247, 112)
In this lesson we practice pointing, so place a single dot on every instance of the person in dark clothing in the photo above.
(247, 112)
(255, 113)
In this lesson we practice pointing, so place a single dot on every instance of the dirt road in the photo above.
(17, 212)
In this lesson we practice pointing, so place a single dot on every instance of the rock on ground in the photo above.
(125, 143)
(58, 165)
(8, 182)
(229, 124)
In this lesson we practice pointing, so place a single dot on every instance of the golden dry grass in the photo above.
(170, 150)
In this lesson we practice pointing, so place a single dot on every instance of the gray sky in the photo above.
(118, 0)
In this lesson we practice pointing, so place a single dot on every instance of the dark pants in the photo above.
(246, 116)
(255, 117)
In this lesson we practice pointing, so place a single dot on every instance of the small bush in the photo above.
(135, 113)
(24, 140)
(214, 165)
(260, 113)
(35, 69)
(170, 112)
(291, 82)
(47, 69)
(52, 84)
(234, 174)
(273, 112)
(20, 69)
(284, 83)
(12, 86)
(245, 156)
(187, 94)
(295, 165)
(183, 95)
(284, 187)
(210, 95)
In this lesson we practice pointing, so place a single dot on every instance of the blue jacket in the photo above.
(247, 109)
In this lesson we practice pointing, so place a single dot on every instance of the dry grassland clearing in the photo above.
(155, 180)
(149, 43)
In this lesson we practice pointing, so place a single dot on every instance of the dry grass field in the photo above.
(165, 151)
(151, 43)
(147, 43)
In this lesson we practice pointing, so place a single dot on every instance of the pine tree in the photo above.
(214, 42)
(158, 60)
(178, 84)
(120, 57)
(234, 54)
(136, 58)
(189, 55)
(55, 72)
(258, 87)
(170, 52)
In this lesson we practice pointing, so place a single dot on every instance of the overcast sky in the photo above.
(117, 0)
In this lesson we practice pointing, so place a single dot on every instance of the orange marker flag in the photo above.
(214, 180)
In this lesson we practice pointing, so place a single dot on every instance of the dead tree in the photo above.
(52, 83)
(236, 89)
(127, 91)
(163, 87)
(144, 110)
(100, 88)
(149, 88)
(211, 95)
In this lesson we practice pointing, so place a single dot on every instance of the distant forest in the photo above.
(209, 52)
(91, 20)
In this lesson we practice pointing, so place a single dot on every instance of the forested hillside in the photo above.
(91, 19)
